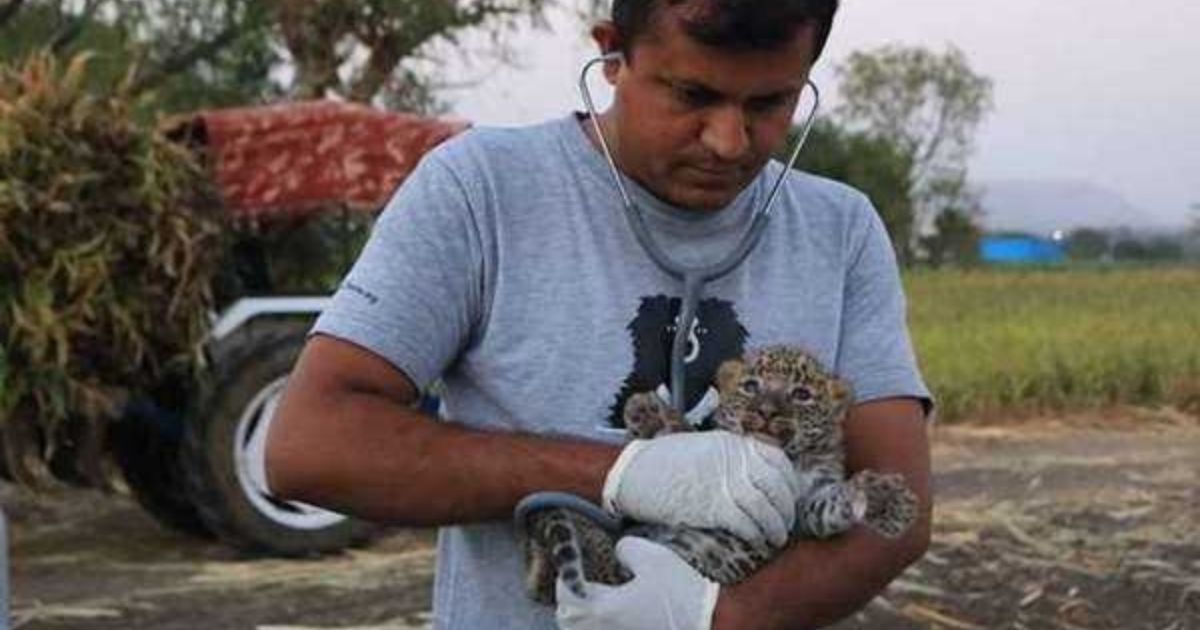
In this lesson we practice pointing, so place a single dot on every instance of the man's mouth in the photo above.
(713, 174)
(716, 173)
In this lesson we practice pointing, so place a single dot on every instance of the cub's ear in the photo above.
(729, 375)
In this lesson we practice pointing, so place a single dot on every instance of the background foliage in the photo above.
(927, 106)
(877, 167)
(112, 249)
(209, 53)
(109, 240)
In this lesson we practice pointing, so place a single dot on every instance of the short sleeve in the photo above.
(414, 294)
(875, 352)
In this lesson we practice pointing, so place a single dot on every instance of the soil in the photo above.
(1081, 522)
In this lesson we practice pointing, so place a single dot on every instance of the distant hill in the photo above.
(1043, 206)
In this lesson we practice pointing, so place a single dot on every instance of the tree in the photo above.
(1192, 244)
(873, 165)
(955, 239)
(1088, 244)
(362, 49)
(927, 104)
(188, 53)
(201, 53)
(1165, 249)
(1129, 250)
(1155, 249)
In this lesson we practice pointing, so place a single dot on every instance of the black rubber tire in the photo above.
(146, 445)
(244, 365)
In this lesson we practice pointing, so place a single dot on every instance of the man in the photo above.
(505, 266)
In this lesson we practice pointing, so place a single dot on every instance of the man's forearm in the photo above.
(390, 463)
(816, 583)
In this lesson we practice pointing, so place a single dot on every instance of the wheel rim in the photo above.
(249, 447)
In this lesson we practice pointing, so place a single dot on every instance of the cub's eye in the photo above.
(750, 387)
(801, 394)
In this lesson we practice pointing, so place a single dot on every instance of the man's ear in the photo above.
(609, 41)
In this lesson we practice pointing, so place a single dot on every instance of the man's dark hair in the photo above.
(730, 24)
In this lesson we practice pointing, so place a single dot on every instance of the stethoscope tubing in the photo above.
(693, 277)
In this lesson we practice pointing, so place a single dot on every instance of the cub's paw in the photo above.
(647, 416)
(891, 505)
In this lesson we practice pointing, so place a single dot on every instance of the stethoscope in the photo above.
(693, 278)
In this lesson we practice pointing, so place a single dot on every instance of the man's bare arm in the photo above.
(348, 437)
(816, 583)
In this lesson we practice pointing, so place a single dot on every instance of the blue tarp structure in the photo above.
(1021, 250)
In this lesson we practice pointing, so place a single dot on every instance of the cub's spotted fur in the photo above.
(779, 394)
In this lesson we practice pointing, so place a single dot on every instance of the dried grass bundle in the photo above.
(109, 239)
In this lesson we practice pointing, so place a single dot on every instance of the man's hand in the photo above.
(713, 479)
(664, 594)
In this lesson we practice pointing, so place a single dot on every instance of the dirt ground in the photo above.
(1085, 522)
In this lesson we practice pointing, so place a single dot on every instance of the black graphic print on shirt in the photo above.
(716, 336)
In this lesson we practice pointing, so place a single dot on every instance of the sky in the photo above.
(1098, 92)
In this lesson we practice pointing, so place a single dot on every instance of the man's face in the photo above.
(695, 124)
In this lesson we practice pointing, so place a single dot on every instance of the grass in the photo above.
(1001, 341)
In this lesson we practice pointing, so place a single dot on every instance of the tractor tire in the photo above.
(222, 455)
(146, 444)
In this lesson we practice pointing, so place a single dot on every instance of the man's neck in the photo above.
(589, 129)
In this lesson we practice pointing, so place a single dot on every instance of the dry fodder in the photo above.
(109, 239)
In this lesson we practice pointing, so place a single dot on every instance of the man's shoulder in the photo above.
(489, 147)
(826, 201)
(825, 193)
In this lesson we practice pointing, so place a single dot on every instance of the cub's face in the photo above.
(783, 396)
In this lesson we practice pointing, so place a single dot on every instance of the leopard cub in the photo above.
(779, 394)
(784, 395)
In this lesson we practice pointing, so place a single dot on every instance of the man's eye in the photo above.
(767, 103)
(694, 97)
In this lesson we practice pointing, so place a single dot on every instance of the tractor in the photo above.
(192, 455)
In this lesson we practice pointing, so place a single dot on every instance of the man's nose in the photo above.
(726, 133)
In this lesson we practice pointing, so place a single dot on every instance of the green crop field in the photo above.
(1028, 341)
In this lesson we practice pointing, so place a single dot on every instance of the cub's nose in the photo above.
(770, 404)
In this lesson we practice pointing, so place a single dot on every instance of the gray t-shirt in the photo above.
(505, 266)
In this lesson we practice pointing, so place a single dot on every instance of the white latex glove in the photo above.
(712, 479)
(664, 594)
